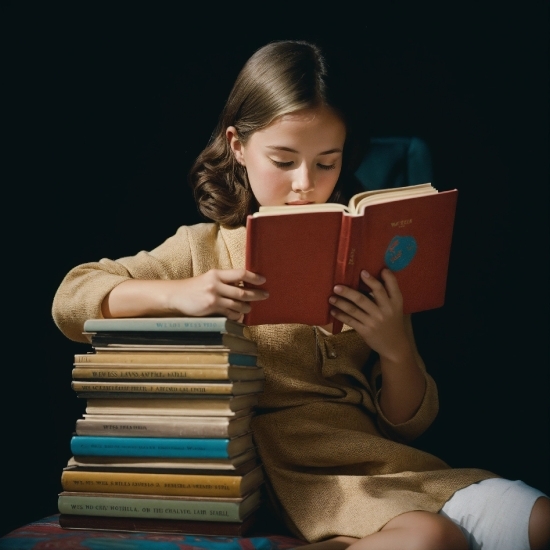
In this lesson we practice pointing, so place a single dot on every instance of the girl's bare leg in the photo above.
(409, 531)
(539, 525)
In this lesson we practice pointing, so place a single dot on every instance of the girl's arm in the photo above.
(191, 273)
(379, 319)
(216, 292)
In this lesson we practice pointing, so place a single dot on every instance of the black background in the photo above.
(109, 105)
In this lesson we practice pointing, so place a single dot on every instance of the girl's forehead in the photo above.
(307, 120)
(307, 116)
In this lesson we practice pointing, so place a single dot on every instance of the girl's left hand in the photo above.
(378, 318)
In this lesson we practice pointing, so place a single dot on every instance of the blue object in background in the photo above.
(395, 162)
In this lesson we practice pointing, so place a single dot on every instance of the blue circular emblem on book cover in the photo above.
(400, 252)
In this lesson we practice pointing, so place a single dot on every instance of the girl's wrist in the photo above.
(401, 354)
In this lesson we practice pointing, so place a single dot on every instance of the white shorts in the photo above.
(494, 513)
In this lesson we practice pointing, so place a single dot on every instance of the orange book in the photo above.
(303, 251)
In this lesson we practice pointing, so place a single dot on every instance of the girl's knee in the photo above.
(427, 531)
(439, 533)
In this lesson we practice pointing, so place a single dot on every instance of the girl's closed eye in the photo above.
(280, 164)
(327, 166)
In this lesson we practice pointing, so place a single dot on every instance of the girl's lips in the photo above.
(299, 203)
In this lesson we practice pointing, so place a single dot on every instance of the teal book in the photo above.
(160, 447)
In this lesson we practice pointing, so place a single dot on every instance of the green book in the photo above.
(149, 506)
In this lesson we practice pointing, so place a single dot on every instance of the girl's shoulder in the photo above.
(225, 246)
(205, 235)
(213, 231)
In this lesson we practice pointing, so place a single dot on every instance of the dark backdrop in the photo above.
(108, 107)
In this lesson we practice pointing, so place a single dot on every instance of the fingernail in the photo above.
(338, 289)
(365, 274)
(332, 299)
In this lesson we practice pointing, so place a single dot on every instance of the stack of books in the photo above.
(165, 443)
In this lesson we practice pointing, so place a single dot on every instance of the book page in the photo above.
(358, 202)
(300, 209)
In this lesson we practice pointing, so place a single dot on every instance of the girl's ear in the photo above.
(235, 144)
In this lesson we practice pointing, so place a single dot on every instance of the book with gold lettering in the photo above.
(140, 425)
(149, 356)
(206, 509)
(202, 387)
(173, 483)
(305, 250)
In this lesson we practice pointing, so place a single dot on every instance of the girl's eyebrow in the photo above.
(282, 148)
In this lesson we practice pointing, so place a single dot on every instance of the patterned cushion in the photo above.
(47, 534)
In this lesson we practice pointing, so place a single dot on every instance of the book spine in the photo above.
(210, 389)
(168, 405)
(137, 428)
(152, 484)
(343, 270)
(146, 372)
(149, 358)
(162, 325)
(97, 406)
(148, 508)
(82, 445)
(148, 525)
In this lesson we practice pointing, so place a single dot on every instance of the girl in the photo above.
(337, 410)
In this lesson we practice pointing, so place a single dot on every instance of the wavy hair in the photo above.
(279, 78)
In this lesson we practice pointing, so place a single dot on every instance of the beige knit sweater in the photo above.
(335, 465)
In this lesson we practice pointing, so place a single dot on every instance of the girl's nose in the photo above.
(303, 183)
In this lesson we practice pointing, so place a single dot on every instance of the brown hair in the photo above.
(280, 78)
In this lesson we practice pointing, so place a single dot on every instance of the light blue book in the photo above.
(160, 447)
(167, 324)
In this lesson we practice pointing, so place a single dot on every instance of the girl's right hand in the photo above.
(216, 292)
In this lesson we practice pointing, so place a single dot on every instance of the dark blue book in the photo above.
(172, 340)
(160, 447)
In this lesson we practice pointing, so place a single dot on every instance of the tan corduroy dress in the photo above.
(335, 465)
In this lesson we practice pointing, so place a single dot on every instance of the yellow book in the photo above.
(122, 356)
(167, 484)
(165, 372)
(240, 387)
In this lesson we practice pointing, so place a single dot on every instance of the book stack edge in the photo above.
(165, 443)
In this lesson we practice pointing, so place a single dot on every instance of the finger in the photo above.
(353, 309)
(243, 294)
(391, 284)
(233, 308)
(355, 297)
(236, 276)
(345, 318)
(378, 290)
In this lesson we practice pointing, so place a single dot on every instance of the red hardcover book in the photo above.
(303, 251)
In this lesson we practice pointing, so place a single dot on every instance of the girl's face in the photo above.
(295, 160)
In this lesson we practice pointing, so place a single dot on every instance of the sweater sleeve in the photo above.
(419, 423)
(82, 291)
(424, 416)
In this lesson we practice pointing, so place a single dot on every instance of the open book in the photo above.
(303, 251)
